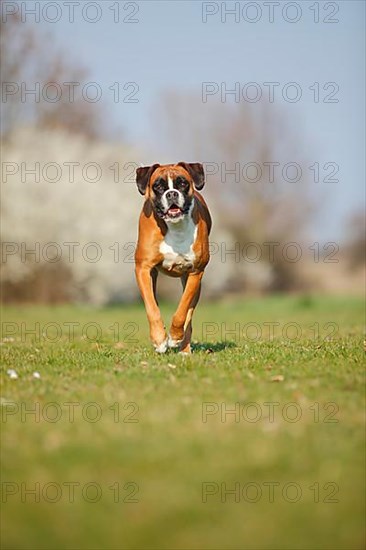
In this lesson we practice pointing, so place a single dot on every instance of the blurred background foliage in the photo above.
(59, 210)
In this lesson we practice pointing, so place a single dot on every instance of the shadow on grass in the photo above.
(212, 347)
(207, 347)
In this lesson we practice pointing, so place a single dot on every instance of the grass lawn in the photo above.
(256, 441)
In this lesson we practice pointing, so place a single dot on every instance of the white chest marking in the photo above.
(177, 246)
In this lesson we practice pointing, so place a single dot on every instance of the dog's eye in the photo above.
(181, 183)
(159, 186)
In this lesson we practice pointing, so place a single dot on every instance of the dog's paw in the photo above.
(172, 343)
(161, 348)
(185, 349)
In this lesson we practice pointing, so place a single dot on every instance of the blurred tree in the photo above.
(30, 61)
(355, 248)
(45, 283)
(41, 219)
(246, 148)
(34, 128)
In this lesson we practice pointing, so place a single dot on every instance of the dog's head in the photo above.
(170, 187)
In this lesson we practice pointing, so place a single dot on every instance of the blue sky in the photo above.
(170, 47)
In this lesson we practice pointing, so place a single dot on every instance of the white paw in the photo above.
(161, 348)
(173, 343)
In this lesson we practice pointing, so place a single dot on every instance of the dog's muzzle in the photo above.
(173, 203)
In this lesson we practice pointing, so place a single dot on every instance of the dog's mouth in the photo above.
(174, 211)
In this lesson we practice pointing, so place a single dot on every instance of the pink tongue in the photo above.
(174, 210)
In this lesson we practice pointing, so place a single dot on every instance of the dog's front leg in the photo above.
(180, 330)
(146, 286)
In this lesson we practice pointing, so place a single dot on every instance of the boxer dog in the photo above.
(174, 227)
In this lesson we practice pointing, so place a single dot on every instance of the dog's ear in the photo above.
(195, 169)
(143, 176)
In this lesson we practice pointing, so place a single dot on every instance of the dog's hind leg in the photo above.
(154, 278)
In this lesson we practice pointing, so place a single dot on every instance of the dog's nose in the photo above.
(172, 195)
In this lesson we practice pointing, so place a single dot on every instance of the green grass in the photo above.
(169, 451)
